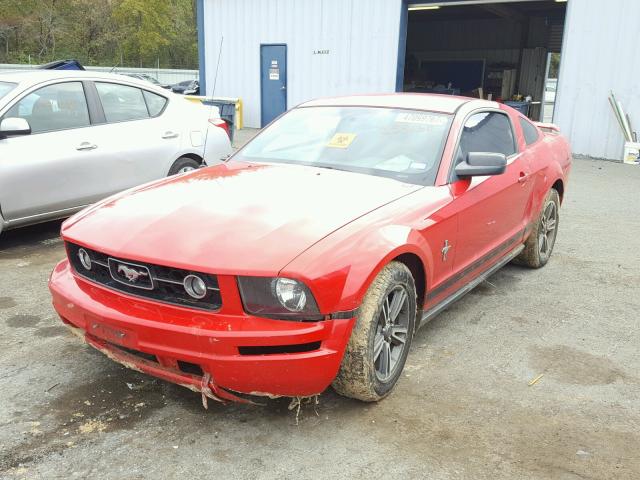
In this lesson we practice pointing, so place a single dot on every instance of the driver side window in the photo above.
(486, 132)
(54, 107)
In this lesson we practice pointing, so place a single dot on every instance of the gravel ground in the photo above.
(463, 409)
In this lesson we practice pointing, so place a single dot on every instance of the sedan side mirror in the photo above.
(482, 163)
(13, 126)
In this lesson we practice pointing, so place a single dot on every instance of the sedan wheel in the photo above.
(380, 340)
(183, 165)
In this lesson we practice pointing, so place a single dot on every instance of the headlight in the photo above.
(291, 294)
(283, 298)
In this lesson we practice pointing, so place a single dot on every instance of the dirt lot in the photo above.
(463, 410)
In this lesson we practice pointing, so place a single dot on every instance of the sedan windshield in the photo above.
(6, 87)
(402, 144)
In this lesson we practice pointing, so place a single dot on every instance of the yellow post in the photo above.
(239, 114)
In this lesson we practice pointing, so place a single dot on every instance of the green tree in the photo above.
(144, 29)
(100, 32)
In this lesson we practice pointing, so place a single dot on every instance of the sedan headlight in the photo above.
(278, 297)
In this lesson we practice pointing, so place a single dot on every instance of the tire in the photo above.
(183, 164)
(539, 245)
(362, 373)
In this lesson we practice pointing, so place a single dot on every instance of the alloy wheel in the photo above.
(547, 233)
(391, 333)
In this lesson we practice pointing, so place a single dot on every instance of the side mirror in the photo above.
(13, 126)
(482, 163)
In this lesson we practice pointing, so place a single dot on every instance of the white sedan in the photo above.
(70, 138)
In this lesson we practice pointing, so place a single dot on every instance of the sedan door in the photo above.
(138, 144)
(492, 208)
(45, 172)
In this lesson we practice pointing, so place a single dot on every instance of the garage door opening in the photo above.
(507, 51)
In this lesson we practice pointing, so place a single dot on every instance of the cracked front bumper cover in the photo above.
(119, 326)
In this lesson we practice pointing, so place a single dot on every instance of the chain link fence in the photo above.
(163, 75)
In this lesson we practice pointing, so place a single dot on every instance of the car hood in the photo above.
(236, 217)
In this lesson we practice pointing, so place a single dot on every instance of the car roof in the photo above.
(415, 101)
(35, 76)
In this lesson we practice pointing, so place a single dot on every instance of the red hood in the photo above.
(232, 218)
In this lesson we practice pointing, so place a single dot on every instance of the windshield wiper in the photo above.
(328, 167)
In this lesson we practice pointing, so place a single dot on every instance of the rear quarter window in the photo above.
(155, 103)
(530, 132)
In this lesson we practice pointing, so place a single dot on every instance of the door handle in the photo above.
(523, 177)
(169, 134)
(283, 87)
(86, 146)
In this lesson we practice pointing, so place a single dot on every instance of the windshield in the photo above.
(6, 87)
(397, 143)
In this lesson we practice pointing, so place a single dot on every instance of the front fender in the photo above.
(339, 271)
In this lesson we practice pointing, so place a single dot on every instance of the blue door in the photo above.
(273, 81)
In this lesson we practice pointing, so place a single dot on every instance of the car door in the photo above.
(492, 208)
(46, 171)
(140, 143)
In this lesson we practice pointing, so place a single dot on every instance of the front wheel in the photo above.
(182, 165)
(539, 245)
(381, 337)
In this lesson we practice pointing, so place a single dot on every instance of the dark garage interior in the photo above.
(507, 52)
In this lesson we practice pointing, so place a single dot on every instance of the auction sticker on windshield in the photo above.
(422, 118)
(341, 140)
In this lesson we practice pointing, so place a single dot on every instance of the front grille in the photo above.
(156, 282)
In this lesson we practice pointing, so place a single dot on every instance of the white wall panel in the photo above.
(600, 53)
(361, 36)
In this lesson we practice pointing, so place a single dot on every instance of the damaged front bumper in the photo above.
(225, 355)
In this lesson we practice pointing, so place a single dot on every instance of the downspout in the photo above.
(201, 47)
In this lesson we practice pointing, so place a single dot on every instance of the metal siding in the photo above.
(361, 35)
(600, 53)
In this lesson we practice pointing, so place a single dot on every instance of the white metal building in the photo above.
(275, 54)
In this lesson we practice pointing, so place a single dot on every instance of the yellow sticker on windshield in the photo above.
(341, 140)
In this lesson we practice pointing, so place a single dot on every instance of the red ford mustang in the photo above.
(312, 256)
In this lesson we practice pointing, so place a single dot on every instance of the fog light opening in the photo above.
(85, 258)
(195, 286)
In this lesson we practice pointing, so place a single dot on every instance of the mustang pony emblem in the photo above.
(131, 274)
(445, 250)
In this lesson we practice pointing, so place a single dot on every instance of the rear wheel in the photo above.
(539, 245)
(183, 164)
(380, 341)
